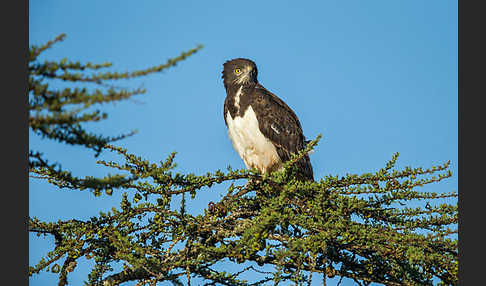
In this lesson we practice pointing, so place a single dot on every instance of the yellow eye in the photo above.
(237, 71)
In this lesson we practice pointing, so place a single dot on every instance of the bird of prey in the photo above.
(262, 127)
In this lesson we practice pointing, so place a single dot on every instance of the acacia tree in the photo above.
(360, 227)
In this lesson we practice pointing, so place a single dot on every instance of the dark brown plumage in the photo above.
(262, 127)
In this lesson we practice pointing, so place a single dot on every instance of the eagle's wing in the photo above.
(281, 126)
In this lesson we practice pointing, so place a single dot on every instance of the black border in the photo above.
(15, 143)
(471, 144)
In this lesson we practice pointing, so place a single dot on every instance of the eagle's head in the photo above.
(239, 71)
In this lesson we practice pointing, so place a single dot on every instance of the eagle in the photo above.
(263, 129)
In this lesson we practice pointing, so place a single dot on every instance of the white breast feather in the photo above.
(237, 98)
(252, 146)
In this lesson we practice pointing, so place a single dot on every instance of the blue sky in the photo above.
(373, 77)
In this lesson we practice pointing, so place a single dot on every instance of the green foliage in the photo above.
(357, 226)
(59, 114)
